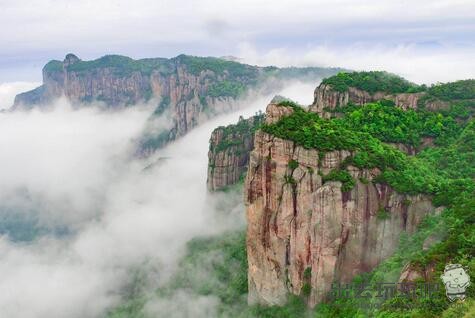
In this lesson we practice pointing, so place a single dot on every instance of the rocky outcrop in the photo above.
(229, 151)
(327, 99)
(230, 146)
(304, 233)
(116, 81)
(191, 89)
(412, 273)
(413, 150)
(274, 112)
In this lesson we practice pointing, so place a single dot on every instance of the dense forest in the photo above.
(231, 133)
(445, 170)
(373, 81)
(378, 81)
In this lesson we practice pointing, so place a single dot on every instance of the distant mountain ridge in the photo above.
(191, 88)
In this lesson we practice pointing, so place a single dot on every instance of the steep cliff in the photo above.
(190, 88)
(317, 214)
(327, 99)
(359, 88)
(229, 149)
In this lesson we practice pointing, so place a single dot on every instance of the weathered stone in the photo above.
(411, 273)
(326, 99)
(189, 88)
(183, 93)
(297, 222)
(274, 112)
(229, 151)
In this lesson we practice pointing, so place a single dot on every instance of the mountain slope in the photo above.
(229, 150)
(189, 89)
(329, 197)
(363, 195)
(358, 88)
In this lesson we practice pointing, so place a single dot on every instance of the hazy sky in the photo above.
(425, 40)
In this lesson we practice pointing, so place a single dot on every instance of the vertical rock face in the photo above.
(327, 99)
(190, 88)
(274, 112)
(302, 231)
(229, 151)
(115, 81)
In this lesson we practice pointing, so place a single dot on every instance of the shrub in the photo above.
(289, 180)
(226, 88)
(306, 290)
(372, 82)
(289, 103)
(53, 66)
(383, 214)
(307, 273)
(293, 164)
(364, 132)
(343, 176)
(464, 89)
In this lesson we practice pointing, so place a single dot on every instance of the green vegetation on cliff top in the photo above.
(224, 78)
(446, 170)
(464, 89)
(53, 66)
(372, 82)
(219, 66)
(366, 130)
(377, 81)
(226, 88)
(122, 65)
(125, 65)
(247, 74)
(234, 135)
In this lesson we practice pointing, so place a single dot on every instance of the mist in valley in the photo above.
(93, 214)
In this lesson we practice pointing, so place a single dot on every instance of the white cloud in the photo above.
(156, 28)
(428, 66)
(65, 158)
(76, 166)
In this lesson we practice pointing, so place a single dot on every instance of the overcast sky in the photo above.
(425, 40)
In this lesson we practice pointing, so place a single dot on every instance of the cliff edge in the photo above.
(307, 229)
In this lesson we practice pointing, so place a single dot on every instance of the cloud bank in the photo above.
(431, 37)
(421, 66)
(54, 24)
(75, 168)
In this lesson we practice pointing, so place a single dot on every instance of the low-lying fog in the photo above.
(77, 213)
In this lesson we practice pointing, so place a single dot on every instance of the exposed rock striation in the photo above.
(191, 89)
(304, 233)
(359, 88)
(117, 81)
(327, 99)
(229, 151)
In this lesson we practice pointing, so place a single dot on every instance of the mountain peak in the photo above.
(70, 59)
